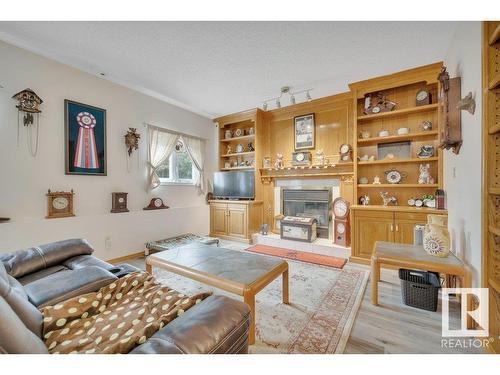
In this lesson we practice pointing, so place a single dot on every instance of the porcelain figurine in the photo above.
(278, 163)
(321, 157)
(425, 176)
(364, 200)
(376, 180)
(388, 199)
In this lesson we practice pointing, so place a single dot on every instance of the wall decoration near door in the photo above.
(85, 139)
(304, 132)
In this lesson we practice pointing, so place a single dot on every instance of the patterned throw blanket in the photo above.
(115, 319)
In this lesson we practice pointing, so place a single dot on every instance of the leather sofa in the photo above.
(48, 274)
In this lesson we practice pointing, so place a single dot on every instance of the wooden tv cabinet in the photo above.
(235, 220)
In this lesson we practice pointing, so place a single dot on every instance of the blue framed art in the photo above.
(85, 139)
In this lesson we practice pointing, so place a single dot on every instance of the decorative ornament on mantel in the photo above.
(286, 90)
(29, 104)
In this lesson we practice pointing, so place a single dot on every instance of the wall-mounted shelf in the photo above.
(243, 137)
(398, 161)
(238, 154)
(391, 186)
(236, 168)
(397, 138)
(398, 112)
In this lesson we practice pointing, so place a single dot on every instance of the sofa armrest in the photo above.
(218, 325)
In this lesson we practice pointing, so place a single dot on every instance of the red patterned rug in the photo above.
(302, 256)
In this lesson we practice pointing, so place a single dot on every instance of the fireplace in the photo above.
(309, 202)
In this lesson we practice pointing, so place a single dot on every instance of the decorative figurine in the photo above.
(264, 229)
(229, 149)
(425, 176)
(387, 199)
(376, 180)
(250, 147)
(278, 163)
(321, 157)
(426, 125)
(228, 134)
(132, 140)
(266, 162)
(364, 200)
(365, 134)
(426, 151)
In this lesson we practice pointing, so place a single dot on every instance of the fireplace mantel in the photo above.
(267, 175)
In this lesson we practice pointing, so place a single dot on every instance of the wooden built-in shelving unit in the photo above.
(491, 176)
(376, 222)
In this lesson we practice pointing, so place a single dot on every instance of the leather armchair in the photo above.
(47, 274)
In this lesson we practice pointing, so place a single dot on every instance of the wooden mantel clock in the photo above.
(156, 204)
(59, 204)
(341, 225)
(119, 202)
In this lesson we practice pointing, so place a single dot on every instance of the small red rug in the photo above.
(324, 260)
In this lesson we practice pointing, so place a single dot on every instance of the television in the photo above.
(234, 185)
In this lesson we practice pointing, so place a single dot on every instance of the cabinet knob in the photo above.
(392, 228)
(397, 228)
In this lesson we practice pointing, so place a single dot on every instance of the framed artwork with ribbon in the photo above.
(85, 139)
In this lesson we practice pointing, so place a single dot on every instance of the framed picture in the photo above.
(85, 139)
(304, 132)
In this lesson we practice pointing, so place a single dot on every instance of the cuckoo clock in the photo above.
(132, 140)
(28, 104)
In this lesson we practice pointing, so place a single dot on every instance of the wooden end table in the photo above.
(237, 272)
(415, 257)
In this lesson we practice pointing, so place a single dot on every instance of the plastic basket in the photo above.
(420, 289)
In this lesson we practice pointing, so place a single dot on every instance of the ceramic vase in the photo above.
(436, 236)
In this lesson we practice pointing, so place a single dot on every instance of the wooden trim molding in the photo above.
(125, 257)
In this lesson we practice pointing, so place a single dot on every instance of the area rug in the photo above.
(323, 305)
(303, 256)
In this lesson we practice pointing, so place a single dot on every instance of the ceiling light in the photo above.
(286, 90)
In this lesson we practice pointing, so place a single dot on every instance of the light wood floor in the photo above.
(391, 327)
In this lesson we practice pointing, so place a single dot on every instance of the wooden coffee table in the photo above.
(237, 272)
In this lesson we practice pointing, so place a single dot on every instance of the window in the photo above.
(178, 168)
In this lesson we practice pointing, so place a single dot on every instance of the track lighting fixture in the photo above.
(285, 90)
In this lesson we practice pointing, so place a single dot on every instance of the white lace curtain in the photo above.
(161, 145)
(196, 150)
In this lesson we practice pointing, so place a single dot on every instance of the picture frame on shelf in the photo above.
(304, 132)
(84, 139)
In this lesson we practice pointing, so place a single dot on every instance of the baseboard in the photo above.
(126, 257)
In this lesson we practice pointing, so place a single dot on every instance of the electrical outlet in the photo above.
(107, 242)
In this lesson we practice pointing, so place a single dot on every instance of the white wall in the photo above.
(462, 173)
(24, 180)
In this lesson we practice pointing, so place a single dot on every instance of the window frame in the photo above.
(173, 178)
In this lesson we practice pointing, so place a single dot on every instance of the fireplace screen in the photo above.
(309, 203)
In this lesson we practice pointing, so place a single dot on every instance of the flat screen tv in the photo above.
(234, 185)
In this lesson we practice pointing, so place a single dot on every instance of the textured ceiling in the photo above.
(215, 68)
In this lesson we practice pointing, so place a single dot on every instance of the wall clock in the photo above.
(59, 204)
(345, 152)
(394, 176)
(341, 225)
(119, 202)
(423, 97)
(301, 158)
(155, 204)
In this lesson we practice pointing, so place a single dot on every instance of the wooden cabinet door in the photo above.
(404, 223)
(218, 219)
(371, 226)
(237, 220)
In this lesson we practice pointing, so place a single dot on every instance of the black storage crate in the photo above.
(420, 289)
